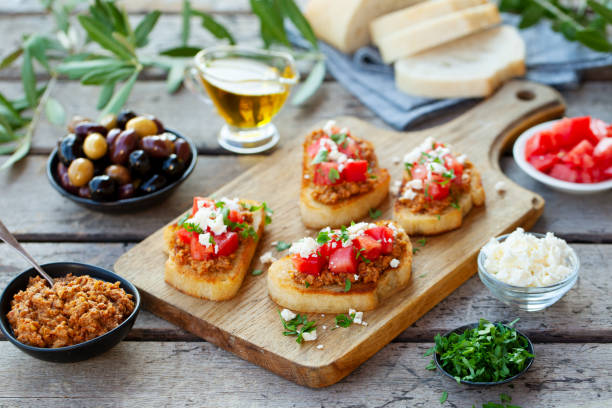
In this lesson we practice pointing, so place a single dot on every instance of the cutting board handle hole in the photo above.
(525, 95)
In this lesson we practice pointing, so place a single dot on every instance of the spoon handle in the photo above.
(10, 239)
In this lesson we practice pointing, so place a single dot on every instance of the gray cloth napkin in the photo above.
(551, 60)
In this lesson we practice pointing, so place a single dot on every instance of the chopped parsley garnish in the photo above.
(449, 174)
(266, 209)
(455, 204)
(408, 167)
(281, 246)
(487, 353)
(375, 213)
(438, 217)
(345, 321)
(444, 397)
(347, 285)
(192, 227)
(505, 397)
(307, 284)
(220, 204)
(415, 250)
(333, 175)
(211, 240)
(421, 243)
(344, 235)
(297, 326)
(323, 237)
(320, 157)
(373, 176)
(245, 229)
(339, 138)
(437, 160)
(257, 272)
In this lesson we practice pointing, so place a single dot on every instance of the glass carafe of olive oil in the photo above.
(248, 87)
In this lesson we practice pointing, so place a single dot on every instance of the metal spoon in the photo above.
(10, 239)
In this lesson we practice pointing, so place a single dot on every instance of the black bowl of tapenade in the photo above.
(88, 311)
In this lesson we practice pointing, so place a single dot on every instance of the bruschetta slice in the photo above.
(341, 180)
(210, 248)
(355, 267)
(438, 189)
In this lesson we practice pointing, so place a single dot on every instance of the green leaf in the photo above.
(594, 39)
(55, 112)
(216, 29)
(185, 22)
(77, 69)
(291, 10)
(7, 135)
(99, 33)
(103, 76)
(106, 94)
(7, 109)
(181, 52)
(144, 28)
(22, 150)
(175, 77)
(347, 285)
(270, 19)
(310, 85)
(601, 9)
(10, 58)
(6, 149)
(29, 79)
(118, 17)
(257, 272)
(531, 15)
(119, 99)
(281, 246)
(444, 397)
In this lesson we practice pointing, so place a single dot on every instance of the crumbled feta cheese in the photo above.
(528, 261)
(322, 314)
(415, 184)
(306, 176)
(304, 247)
(500, 187)
(358, 318)
(287, 315)
(274, 243)
(461, 158)
(356, 277)
(312, 336)
(394, 263)
(364, 323)
(395, 187)
(320, 347)
(328, 127)
(396, 160)
(413, 155)
(436, 168)
(267, 258)
(409, 194)
(217, 226)
(324, 327)
(204, 239)
(233, 204)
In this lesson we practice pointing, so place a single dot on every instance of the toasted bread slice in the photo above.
(451, 218)
(215, 285)
(318, 215)
(284, 291)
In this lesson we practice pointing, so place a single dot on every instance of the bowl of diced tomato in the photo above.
(573, 155)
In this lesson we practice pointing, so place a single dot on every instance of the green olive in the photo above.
(118, 172)
(80, 172)
(95, 146)
(109, 121)
(142, 126)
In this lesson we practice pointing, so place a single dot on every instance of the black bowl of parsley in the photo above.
(483, 353)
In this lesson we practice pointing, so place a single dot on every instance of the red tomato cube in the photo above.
(563, 171)
(569, 132)
(451, 163)
(543, 162)
(540, 143)
(580, 155)
(419, 172)
(227, 243)
(355, 171)
(313, 148)
(369, 247)
(603, 152)
(199, 202)
(350, 148)
(235, 216)
(342, 260)
(200, 252)
(437, 189)
(184, 235)
(599, 130)
(310, 266)
(384, 235)
(326, 173)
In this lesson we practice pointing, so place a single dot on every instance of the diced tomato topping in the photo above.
(564, 172)
(199, 202)
(184, 235)
(343, 260)
(569, 132)
(355, 171)
(437, 189)
(310, 266)
(324, 173)
(599, 130)
(540, 143)
(227, 243)
(419, 172)
(603, 152)
(451, 163)
(384, 235)
(369, 247)
(200, 252)
(235, 216)
(543, 162)
(326, 249)
(580, 155)
(314, 147)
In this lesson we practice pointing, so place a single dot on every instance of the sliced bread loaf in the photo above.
(472, 66)
(400, 19)
(345, 23)
(433, 32)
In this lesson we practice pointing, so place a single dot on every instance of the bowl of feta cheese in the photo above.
(527, 270)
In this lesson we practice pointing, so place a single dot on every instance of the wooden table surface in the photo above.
(163, 365)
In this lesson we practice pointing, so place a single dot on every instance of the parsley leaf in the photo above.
(192, 227)
(375, 213)
(257, 272)
(183, 219)
(338, 138)
(408, 167)
(333, 175)
(307, 284)
(281, 246)
(323, 237)
(444, 397)
(422, 241)
(297, 326)
(345, 321)
(347, 285)
(505, 397)
(455, 204)
(320, 157)
(344, 235)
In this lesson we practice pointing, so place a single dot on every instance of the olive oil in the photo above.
(246, 91)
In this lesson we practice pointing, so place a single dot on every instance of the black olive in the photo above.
(173, 166)
(103, 188)
(64, 180)
(140, 162)
(126, 191)
(84, 192)
(183, 150)
(124, 116)
(84, 128)
(155, 183)
(69, 149)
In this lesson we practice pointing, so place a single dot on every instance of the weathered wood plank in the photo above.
(135, 374)
(583, 315)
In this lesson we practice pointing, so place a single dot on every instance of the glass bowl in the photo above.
(528, 298)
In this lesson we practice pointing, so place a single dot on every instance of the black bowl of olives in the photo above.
(123, 162)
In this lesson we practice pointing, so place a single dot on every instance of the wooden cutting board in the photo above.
(249, 325)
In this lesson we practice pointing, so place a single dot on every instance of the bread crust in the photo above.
(219, 285)
(284, 291)
(450, 219)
